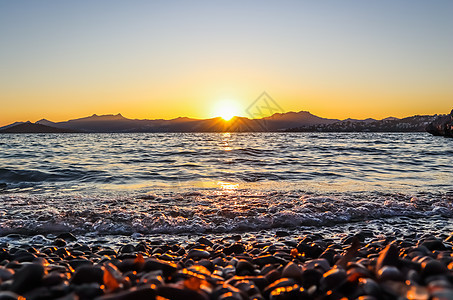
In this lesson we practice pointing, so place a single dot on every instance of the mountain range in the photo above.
(290, 121)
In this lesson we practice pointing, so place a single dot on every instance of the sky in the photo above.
(165, 59)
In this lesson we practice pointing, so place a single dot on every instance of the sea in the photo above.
(120, 187)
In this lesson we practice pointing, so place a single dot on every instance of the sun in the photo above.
(226, 109)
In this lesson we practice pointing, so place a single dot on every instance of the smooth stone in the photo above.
(67, 236)
(291, 270)
(142, 293)
(390, 273)
(333, 278)
(205, 241)
(388, 257)
(319, 263)
(260, 281)
(268, 259)
(88, 290)
(174, 292)
(432, 268)
(198, 254)
(236, 248)
(7, 295)
(59, 242)
(284, 282)
(53, 279)
(273, 276)
(27, 278)
(153, 264)
(77, 263)
(370, 286)
(6, 274)
(127, 249)
(433, 244)
(88, 274)
(311, 277)
(244, 268)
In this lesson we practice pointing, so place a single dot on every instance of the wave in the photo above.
(207, 212)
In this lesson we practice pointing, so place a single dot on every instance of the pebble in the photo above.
(360, 266)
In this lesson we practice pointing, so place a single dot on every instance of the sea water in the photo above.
(208, 183)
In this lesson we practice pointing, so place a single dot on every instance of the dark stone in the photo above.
(333, 278)
(236, 248)
(67, 236)
(152, 264)
(284, 282)
(390, 273)
(127, 249)
(27, 278)
(244, 268)
(281, 233)
(176, 293)
(260, 281)
(433, 245)
(388, 257)
(143, 293)
(268, 259)
(311, 250)
(311, 277)
(88, 274)
(197, 254)
(59, 242)
(77, 263)
(433, 267)
(6, 295)
(205, 241)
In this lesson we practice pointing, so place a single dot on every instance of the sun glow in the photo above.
(226, 109)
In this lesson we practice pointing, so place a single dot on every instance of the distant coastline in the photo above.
(302, 121)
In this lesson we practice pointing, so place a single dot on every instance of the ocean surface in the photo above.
(206, 183)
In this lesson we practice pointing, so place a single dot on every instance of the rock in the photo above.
(142, 293)
(291, 270)
(59, 242)
(198, 254)
(205, 241)
(432, 268)
(67, 236)
(433, 244)
(6, 274)
(152, 264)
(127, 249)
(6, 295)
(88, 274)
(333, 278)
(311, 277)
(281, 283)
(178, 293)
(244, 268)
(27, 278)
(236, 248)
(390, 273)
(388, 257)
(289, 292)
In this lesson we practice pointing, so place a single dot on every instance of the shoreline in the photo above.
(273, 265)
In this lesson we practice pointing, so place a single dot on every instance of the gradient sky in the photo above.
(164, 59)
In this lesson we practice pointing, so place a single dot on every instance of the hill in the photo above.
(29, 127)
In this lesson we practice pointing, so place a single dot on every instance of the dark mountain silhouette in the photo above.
(118, 123)
(29, 127)
(11, 125)
(290, 121)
